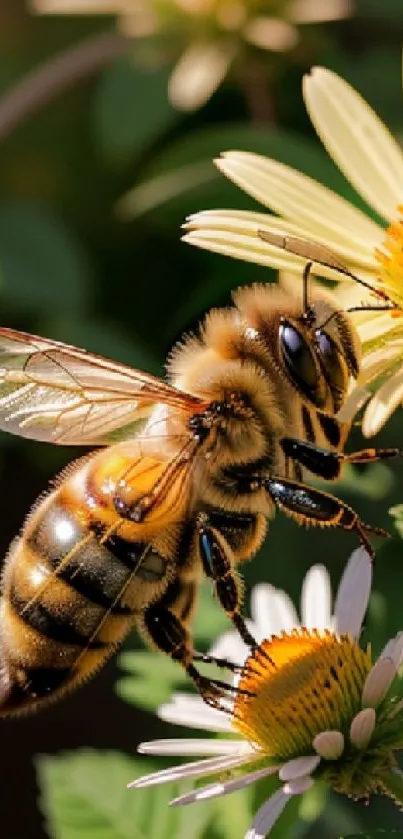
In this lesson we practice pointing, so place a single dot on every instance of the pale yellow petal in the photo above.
(379, 360)
(383, 404)
(242, 246)
(310, 11)
(356, 139)
(198, 73)
(236, 233)
(271, 34)
(305, 202)
(356, 399)
(374, 326)
(370, 325)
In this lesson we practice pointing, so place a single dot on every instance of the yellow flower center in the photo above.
(390, 259)
(298, 685)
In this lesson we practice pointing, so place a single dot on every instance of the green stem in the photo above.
(392, 782)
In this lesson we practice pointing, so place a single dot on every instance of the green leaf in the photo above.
(375, 482)
(131, 109)
(235, 813)
(210, 619)
(151, 680)
(85, 794)
(42, 266)
(184, 174)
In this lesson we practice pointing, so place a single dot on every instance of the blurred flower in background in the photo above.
(209, 36)
(371, 159)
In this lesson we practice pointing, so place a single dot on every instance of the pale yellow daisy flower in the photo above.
(311, 706)
(372, 161)
(207, 35)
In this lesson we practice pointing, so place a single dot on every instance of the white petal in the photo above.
(230, 646)
(356, 139)
(299, 785)
(394, 650)
(316, 599)
(273, 611)
(196, 769)
(198, 73)
(378, 682)
(299, 766)
(298, 198)
(186, 709)
(329, 744)
(382, 405)
(225, 788)
(362, 728)
(201, 747)
(353, 593)
(267, 815)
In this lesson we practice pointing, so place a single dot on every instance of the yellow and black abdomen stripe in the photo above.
(61, 613)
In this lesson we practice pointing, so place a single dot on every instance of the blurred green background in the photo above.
(80, 264)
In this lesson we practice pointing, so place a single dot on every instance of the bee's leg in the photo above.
(311, 506)
(327, 463)
(219, 662)
(170, 635)
(219, 564)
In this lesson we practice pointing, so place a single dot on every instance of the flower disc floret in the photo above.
(298, 685)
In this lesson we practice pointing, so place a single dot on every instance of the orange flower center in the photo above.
(390, 259)
(298, 685)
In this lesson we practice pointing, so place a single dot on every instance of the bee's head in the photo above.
(315, 347)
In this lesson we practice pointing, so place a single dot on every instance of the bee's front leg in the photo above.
(310, 506)
(327, 463)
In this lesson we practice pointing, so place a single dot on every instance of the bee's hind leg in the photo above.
(169, 634)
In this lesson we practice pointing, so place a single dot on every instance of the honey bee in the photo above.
(126, 533)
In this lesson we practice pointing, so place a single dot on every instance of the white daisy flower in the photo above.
(273, 612)
(206, 37)
(311, 705)
(371, 159)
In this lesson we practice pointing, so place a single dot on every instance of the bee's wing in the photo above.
(52, 392)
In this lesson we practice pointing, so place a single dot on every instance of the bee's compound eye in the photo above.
(298, 358)
(332, 360)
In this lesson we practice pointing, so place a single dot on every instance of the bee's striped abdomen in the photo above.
(63, 610)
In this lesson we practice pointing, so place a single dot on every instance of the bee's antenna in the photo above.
(307, 310)
(316, 254)
(386, 308)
